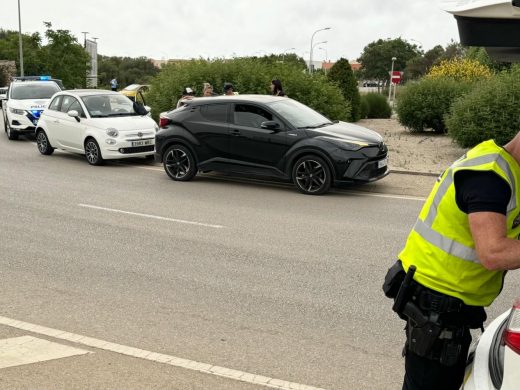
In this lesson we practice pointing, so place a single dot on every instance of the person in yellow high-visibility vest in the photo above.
(456, 256)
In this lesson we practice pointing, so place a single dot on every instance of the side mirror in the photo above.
(148, 109)
(271, 125)
(73, 114)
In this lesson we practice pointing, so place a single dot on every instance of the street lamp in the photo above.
(312, 47)
(20, 39)
(326, 53)
(391, 73)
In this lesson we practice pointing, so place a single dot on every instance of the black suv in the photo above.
(267, 136)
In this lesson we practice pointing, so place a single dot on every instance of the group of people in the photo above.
(229, 90)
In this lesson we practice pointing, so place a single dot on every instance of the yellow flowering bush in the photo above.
(461, 70)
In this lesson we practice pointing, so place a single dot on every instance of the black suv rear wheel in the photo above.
(311, 175)
(179, 163)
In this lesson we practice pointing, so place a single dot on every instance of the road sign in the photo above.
(396, 76)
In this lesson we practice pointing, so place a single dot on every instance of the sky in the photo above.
(163, 29)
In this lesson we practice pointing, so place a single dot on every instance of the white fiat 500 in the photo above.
(100, 124)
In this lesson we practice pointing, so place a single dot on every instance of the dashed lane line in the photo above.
(151, 216)
(205, 368)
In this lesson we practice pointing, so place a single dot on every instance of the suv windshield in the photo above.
(107, 105)
(41, 90)
(299, 115)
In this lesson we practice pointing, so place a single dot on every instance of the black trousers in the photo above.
(427, 374)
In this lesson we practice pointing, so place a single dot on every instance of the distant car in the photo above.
(100, 124)
(494, 361)
(268, 136)
(27, 97)
(136, 92)
(3, 95)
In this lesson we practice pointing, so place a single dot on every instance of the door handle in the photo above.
(234, 132)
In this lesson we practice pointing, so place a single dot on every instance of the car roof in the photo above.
(235, 98)
(88, 92)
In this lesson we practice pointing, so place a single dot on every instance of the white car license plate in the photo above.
(144, 142)
(382, 163)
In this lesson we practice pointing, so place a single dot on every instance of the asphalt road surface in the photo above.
(262, 286)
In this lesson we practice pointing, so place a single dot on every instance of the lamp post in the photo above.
(326, 53)
(20, 45)
(312, 39)
(391, 72)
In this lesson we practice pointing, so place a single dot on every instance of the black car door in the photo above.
(211, 128)
(255, 148)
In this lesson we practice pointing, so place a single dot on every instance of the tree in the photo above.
(481, 55)
(376, 57)
(65, 58)
(420, 65)
(32, 56)
(127, 70)
(341, 74)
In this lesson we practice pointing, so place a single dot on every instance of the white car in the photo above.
(100, 124)
(494, 361)
(27, 97)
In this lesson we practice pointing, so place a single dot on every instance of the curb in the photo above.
(416, 173)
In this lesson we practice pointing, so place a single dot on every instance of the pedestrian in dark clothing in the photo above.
(276, 88)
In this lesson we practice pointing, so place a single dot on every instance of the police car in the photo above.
(27, 97)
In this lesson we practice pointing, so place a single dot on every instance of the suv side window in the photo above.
(214, 112)
(55, 104)
(252, 116)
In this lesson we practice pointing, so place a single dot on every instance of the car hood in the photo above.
(123, 123)
(29, 104)
(344, 131)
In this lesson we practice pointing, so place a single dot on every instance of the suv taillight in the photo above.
(163, 122)
(512, 332)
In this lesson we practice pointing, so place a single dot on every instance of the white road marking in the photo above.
(379, 195)
(151, 216)
(210, 369)
(18, 351)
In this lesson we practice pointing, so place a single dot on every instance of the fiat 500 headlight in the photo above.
(112, 132)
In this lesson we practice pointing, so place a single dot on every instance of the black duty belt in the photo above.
(430, 300)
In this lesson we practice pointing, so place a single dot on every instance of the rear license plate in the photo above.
(382, 163)
(144, 142)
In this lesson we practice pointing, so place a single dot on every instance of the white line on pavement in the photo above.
(151, 216)
(241, 376)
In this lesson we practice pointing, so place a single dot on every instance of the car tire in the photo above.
(179, 163)
(311, 175)
(11, 134)
(93, 152)
(42, 141)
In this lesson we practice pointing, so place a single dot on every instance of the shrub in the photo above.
(249, 76)
(467, 70)
(422, 105)
(341, 74)
(363, 107)
(490, 110)
(376, 106)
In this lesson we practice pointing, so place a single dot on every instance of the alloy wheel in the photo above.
(311, 176)
(92, 153)
(177, 163)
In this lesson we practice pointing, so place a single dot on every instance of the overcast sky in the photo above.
(163, 29)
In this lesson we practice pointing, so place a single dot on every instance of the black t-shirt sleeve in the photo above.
(481, 191)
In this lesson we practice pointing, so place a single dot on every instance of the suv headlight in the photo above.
(16, 111)
(112, 132)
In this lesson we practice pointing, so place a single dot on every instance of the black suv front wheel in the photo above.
(311, 175)
(179, 163)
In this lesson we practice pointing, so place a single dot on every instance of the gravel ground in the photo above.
(418, 152)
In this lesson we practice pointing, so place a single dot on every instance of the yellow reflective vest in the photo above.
(441, 246)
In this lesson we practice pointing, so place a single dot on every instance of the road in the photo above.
(244, 275)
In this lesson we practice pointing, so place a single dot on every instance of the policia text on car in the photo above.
(454, 262)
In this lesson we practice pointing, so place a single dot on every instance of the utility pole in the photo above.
(20, 44)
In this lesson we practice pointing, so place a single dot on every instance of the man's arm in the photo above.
(495, 250)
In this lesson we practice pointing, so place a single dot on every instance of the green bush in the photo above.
(376, 106)
(422, 105)
(490, 111)
(363, 107)
(249, 76)
(341, 74)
